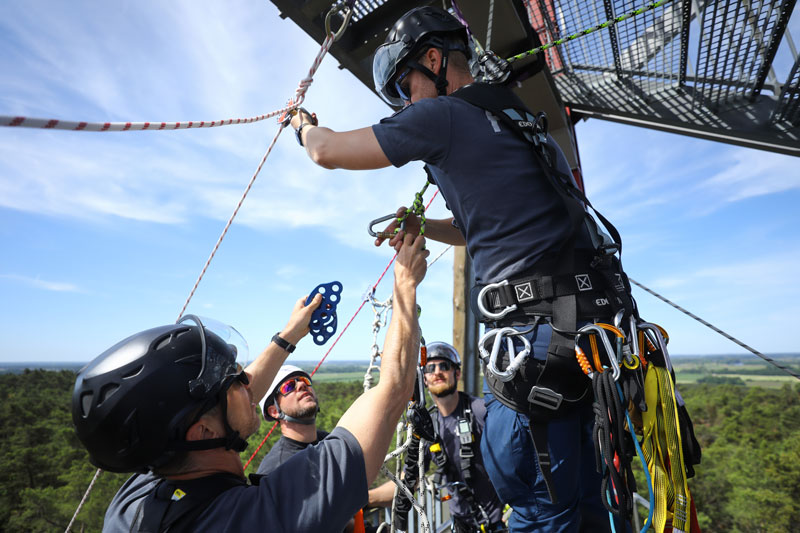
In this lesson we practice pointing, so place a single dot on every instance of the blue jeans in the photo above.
(510, 461)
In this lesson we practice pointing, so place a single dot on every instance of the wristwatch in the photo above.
(283, 343)
(298, 132)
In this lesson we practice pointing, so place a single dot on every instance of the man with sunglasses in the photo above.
(459, 421)
(292, 402)
(171, 405)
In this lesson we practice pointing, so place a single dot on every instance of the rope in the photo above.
(73, 125)
(83, 500)
(714, 328)
(606, 24)
(489, 25)
(300, 93)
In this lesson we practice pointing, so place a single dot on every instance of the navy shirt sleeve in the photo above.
(317, 489)
(419, 132)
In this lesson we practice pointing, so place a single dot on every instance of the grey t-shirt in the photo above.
(283, 450)
(482, 488)
(508, 212)
(318, 489)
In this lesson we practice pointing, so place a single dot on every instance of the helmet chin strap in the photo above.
(440, 80)
(306, 421)
(231, 441)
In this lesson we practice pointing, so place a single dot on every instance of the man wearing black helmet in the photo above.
(459, 421)
(173, 401)
(541, 262)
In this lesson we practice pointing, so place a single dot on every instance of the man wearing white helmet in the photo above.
(292, 402)
(459, 422)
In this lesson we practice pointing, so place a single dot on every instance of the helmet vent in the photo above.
(86, 403)
(133, 372)
(106, 392)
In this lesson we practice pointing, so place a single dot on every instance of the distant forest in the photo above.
(749, 479)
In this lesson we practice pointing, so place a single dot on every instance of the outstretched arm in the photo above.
(372, 417)
(353, 150)
(265, 367)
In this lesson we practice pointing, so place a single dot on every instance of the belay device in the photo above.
(323, 319)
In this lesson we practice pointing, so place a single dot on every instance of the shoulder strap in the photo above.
(174, 505)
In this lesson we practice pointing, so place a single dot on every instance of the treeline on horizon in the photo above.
(748, 481)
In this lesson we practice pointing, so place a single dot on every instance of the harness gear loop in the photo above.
(515, 359)
(346, 11)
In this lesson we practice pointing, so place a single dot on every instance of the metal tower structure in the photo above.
(694, 67)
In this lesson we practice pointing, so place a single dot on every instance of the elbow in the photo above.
(322, 155)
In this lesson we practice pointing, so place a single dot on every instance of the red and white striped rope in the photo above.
(72, 125)
(299, 97)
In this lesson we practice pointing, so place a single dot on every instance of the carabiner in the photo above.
(656, 332)
(515, 360)
(346, 12)
(384, 234)
(600, 331)
(486, 312)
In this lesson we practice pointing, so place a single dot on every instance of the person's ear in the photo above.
(433, 60)
(458, 373)
(273, 411)
(203, 429)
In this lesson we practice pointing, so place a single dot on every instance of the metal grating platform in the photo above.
(695, 67)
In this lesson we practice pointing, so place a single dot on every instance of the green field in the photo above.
(742, 370)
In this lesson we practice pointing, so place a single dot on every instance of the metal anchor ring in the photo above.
(486, 312)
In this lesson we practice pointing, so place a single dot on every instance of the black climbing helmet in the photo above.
(420, 27)
(132, 405)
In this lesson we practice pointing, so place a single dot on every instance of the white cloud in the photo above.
(55, 286)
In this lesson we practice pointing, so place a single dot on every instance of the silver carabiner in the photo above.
(486, 312)
(346, 12)
(612, 358)
(384, 234)
(653, 330)
(515, 360)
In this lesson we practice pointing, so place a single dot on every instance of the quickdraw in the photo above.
(323, 320)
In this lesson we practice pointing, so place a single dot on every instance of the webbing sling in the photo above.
(663, 452)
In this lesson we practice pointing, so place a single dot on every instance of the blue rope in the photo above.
(639, 452)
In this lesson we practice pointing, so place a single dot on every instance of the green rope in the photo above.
(417, 208)
(606, 24)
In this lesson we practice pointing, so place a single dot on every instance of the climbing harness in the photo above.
(448, 469)
(323, 320)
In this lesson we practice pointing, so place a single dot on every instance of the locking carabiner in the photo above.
(346, 12)
(385, 234)
(515, 359)
(601, 332)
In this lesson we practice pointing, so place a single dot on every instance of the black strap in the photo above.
(174, 505)
(538, 434)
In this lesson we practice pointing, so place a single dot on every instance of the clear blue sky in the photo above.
(103, 234)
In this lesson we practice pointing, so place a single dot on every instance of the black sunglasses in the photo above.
(444, 366)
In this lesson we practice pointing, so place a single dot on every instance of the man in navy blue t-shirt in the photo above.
(173, 400)
(514, 224)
